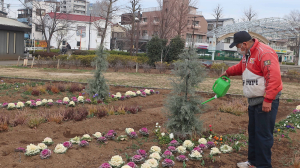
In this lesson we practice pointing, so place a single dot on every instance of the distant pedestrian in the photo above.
(262, 86)
(68, 49)
(280, 59)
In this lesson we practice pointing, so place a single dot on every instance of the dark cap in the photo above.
(240, 37)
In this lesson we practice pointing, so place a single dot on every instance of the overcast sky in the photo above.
(231, 8)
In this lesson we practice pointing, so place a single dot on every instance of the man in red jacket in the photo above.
(262, 86)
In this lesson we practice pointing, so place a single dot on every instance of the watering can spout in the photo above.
(220, 88)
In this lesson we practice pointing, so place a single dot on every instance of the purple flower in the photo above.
(202, 146)
(32, 105)
(46, 153)
(181, 158)
(132, 164)
(151, 91)
(112, 131)
(112, 96)
(59, 101)
(65, 102)
(282, 136)
(168, 163)
(144, 131)
(101, 139)
(172, 149)
(20, 150)
(133, 135)
(157, 92)
(83, 143)
(137, 159)
(174, 143)
(122, 98)
(67, 144)
(110, 135)
(128, 97)
(88, 100)
(4, 104)
(32, 101)
(50, 104)
(38, 100)
(210, 144)
(197, 148)
(105, 165)
(167, 154)
(142, 153)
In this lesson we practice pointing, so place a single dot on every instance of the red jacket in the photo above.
(261, 72)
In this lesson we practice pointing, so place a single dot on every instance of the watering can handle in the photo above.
(226, 78)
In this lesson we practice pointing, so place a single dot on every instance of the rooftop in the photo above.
(12, 24)
(82, 18)
(220, 20)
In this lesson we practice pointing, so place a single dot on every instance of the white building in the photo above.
(79, 7)
(77, 34)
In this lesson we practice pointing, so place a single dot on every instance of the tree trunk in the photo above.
(106, 23)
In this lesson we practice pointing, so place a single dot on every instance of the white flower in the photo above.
(162, 134)
(152, 162)
(171, 136)
(157, 123)
(145, 165)
(138, 92)
(284, 125)
(32, 150)
(130, 93)
(38, 103)
(188, 144)
(42, 146)
(298, 107)
(155, 149)
(75, 140)
(28, 102)
(298, 126)
(147, 91)
(86, 136)
(226, 148)
(155, 155)
(286, 121)
(210, 137)
(288, 116)
(237, 142)
(214, 151)
(48, 140)
(129, 130)
(66, 99)
(159, 126)
(11, 105)
(71, 103)
(116, 161)
(44, 101)
(20, 104)
(181, 149)
(195, 154)
(118, 96)
(80, 98)
(60, 148)
(202, 141)
(97, 134)
(126, 166)
(50, 101)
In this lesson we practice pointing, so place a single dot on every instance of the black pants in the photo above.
(260, 128)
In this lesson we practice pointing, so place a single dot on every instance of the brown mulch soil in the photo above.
(94, 155)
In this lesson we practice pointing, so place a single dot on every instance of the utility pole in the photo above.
(90, 31)
(2, 3)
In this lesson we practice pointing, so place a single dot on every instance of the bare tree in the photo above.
(249, 14)
(181, 10)
(51, 24)
(62, 35)
(294, 43)
(133, 31)
(218, 13)
(107, 9)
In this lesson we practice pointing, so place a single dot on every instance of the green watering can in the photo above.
(220, 88)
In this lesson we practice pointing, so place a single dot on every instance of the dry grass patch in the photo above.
(236, 106)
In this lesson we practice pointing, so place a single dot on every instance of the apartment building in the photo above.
(78, 7)
(193, 24)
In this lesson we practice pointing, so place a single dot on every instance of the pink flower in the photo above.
(46, 153)
(132, 164)
(142, 153)
(67, 144)
(105, 165)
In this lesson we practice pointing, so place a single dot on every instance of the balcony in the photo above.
(151, 9)
(196, 13)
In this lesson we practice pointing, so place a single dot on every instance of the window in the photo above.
(15, 43)
(144, 33)
(78, 43)
(81, 31)
(156, 19)
(144, 19)
(7, 42)
(227, 40)
(63, 42)
(38, 28)
(195, 23)
(100, 31)
(40, 12)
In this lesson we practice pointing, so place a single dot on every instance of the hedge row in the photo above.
(43, 53)
(220, 58)
(112, 59)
